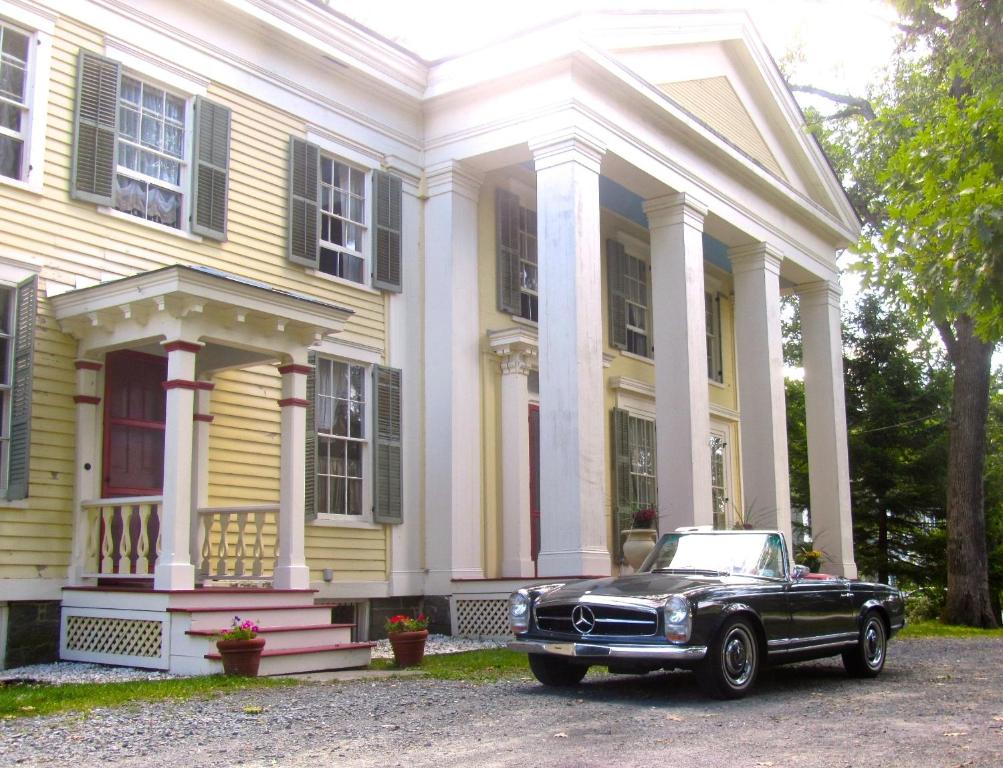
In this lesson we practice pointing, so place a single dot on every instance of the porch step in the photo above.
(287, 637)
(320, 658)
(211, 618)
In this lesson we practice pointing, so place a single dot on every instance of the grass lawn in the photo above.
(936, 629)
(482, 666)
(28, 700)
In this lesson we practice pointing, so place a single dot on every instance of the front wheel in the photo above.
(867, 657)
(732, 661)
(555, 671)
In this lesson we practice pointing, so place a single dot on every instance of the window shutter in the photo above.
(310, 459)
(20, 408)
(621, 477)
(507, 237)
(387, 458)
(304, 212)
(211, 168)
(616, 268)
(718, 361)
(95, 129)
(387, 204)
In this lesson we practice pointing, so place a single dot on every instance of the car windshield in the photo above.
(747, 554)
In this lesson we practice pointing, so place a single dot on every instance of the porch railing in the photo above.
(238, 542)
(123, 536)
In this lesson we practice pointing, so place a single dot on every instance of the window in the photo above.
(340, 411)
(342, 220)
(634, 469)
(518, 266)
(719, 491)
(629, 299)
(715, 364)
(151, 171)
(528, 275)
(14, 112)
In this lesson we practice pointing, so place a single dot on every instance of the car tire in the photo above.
(555, 671)
(867, 657)
(732, 663)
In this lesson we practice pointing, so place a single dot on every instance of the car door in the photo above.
(821, 610)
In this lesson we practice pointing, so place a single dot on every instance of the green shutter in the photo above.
(304, 211)
(622, 497)
(95, 129)
(310, 459)
(387, 203)
(616, 268)
(507, 243)
(387, 458)
(20, 397)
(211, 168)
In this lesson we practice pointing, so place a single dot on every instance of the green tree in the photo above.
(923, 163)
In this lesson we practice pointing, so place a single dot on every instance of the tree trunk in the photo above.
(967, 559)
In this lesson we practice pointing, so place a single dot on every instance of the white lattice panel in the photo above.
(485, 618)
(116, 637)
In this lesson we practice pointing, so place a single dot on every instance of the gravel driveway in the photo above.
(938, 703)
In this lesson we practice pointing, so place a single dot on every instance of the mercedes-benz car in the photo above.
(722, 603)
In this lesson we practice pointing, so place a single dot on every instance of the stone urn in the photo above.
(637, 543)
(408, 647)
(241, 658)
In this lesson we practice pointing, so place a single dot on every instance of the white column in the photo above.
(515, 355)
(682, 407)
(825, 413)
(87, 481)
(174, 569)
(453, 524)
(200, 466)
(291, 571)
(573, 458)
(766, 489)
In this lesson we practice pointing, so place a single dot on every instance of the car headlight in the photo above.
(518, 611)
(678, 619)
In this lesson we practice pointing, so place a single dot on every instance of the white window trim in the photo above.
(367, 235)
(723, 431)
(365, 520)
(40, 26)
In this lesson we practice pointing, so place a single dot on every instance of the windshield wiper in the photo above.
(709, 571)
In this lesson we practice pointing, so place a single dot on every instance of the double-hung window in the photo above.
(343, 231)
(517, 262)
(635, 478)
(342, 439)
(528, 266)
(15, 50)
(629, 299)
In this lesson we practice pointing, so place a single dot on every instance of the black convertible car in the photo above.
(722, 603)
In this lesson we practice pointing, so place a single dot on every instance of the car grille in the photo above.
(608, 620)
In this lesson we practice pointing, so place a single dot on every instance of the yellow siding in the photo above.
(71, 240)
(713, 101)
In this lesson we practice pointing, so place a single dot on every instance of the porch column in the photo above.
(87, 482)
(200, 470)
(682, 406)
(453, 528)
(515, 353)
(760, 361)
(825, 413)
(291, 571)
(573, 458)
(174, 569)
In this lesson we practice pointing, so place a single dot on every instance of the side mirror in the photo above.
(800, 571)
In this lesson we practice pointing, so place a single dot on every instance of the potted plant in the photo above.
(407, 636)
(240, 648)
(810, 557)
(640, 538)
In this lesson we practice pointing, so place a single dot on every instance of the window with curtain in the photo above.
(342, 220)
(340, 413)
(14, 84)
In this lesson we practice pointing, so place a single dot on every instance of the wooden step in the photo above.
(320, 658)
(293, 636)
(212, 618)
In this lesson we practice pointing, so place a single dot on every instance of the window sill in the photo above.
(520, 320)
(343, 521)
(115, 214)
(716, 383)
(342, 281)
(15, 504)
(639, 358)
(34, 188)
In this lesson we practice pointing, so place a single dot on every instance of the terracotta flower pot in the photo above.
(408, 647)
(637, 545)
(241, 657)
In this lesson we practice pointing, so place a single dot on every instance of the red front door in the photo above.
(134, 416)
(534, 480)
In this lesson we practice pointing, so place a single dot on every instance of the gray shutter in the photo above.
(95, 129)
(616, 269)
(310, 459)
(211, 160)
(387, 204)
(387, 458)
(719, 347)
(624, 510)
(507, 243)
(20, 398)
(304, 211)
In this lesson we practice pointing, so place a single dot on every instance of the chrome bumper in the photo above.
(600, 652)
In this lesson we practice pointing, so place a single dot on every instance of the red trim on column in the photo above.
(184, 346)
(295, 368)
(297, 401)
(208, 386)
(207, 418)
(180, 384)
(88, 399)
(87, 365)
